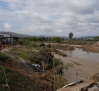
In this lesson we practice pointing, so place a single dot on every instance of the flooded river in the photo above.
(81, 64)
(79, 53)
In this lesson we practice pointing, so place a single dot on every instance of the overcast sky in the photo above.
(50, 17)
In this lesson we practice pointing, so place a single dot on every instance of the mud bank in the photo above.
(91, 48)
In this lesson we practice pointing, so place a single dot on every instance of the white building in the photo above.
(6, 37)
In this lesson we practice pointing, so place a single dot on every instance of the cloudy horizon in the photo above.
(50, 17)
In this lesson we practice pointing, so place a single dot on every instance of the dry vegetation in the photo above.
(20, 55)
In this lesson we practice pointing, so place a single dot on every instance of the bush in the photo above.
(21, 43)
(42, 45)
(58, 66)
(24, 41)
(47, 58)
(43, 56)
(49, 46)
(34, 45)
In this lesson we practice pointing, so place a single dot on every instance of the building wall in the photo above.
(5, 35)
(8, 40)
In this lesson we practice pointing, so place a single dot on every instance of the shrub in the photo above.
(47, 57)
(49, 46)
(42, 44)
(43, 56)
(21, 43)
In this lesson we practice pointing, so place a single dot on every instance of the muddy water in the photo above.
(79, 53)
(81, 64)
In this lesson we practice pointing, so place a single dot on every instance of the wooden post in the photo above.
(58, 72)
(54, 70)
(54, 82)
(43, 67)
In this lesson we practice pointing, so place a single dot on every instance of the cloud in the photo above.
(9, 26)
(58, 31)
(50, 17)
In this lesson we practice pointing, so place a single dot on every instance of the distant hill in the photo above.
(85, 37)
(16, 34)
(64, 37)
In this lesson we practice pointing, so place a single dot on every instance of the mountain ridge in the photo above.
(27, 35)
(16, 34)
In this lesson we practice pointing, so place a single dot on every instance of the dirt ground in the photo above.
(20, 66)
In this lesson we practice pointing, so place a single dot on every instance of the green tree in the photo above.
(57, 39)
(70, 35)
(97, 38)
(32, 38)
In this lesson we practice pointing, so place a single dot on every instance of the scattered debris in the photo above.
(73, 83)
(35, 50)
(35, 66)
(5, 85)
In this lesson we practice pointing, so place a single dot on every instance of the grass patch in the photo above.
(17, 81)
(23, 54)
(15, 49)
(2, 56)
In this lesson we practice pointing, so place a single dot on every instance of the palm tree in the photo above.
(70, 35)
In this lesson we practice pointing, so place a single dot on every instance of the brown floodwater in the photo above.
(80, 63)
(79, 53)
